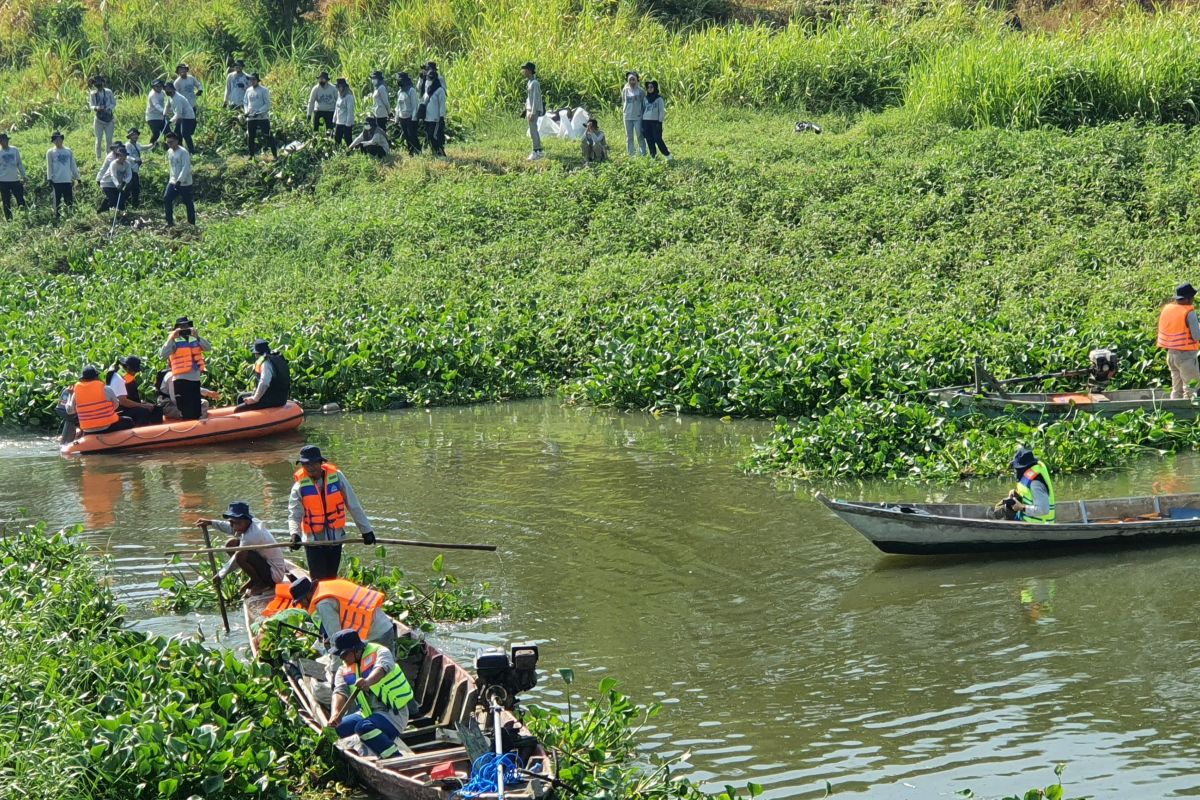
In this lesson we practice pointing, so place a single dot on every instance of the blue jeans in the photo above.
(184, 195)
(376, 731)
(634, 126)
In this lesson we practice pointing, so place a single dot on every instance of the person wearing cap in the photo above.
(183, 117)
(258, 116)
(535, 108)
(179, 181)
(372, 141)
(136, 152)
(371, 677)
(407, 103)
(185, 350)
(12, 177)
(156, 110)
(274, 380)
(321, 498)
(263, 568)
(94, 405)
(103, 104)
(1179, 335)
(379, 100)
(322, 102)
(62, 172)
(336, 604)
(188, 85)
(434, 101)
(114, 178)
(343, 114)
(236, 85)
(124, 381)
(429, 70)
(1033, 498)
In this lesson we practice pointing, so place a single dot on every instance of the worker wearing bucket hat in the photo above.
(263, 568)
(371, 679)
(156, 110)
(103, 104)
(258, 116)
(236, 84)
(343, 113)
(1179, 335)
(322, 102)
(321, 499)
(380, 105)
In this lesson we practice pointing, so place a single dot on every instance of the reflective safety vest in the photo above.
(187, 357)
(393, 691)
(1025, 492)
(92, 406)
(356, 604)
(1173, 331)
(322, 511)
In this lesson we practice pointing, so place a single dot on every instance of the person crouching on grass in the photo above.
(263, 568)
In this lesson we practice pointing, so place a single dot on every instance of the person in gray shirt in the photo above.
(633, 107)
(535, 107)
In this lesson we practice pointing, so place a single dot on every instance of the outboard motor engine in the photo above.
(505, 675)
(1104, 364)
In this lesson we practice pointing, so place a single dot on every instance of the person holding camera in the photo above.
(185, 350)
(1033, 498)
(104, 107)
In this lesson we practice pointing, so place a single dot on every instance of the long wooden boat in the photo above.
(222, 425)
(1037, 405)
(940, 528)
(434, 737)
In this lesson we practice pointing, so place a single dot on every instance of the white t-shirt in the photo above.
(117, 384)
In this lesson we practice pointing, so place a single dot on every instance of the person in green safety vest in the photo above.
(370, 676)
(1033, 498)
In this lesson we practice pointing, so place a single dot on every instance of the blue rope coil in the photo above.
(483, 774)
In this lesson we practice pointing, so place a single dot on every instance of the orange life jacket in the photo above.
(187, 357)
(282, 601)
(356, 604)
(1173, 331)
(92, 406)
(322, 511)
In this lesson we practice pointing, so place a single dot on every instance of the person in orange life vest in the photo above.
(125, 385)
(1179, 335)
(336, 604)
(274, 380)
(185, 350)
(317, 507)
(95, 405)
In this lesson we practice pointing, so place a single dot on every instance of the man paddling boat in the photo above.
(317, 507)
(264, 568)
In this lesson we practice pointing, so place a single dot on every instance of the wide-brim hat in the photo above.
(1185, 291)
(182, 66)
(1024, 458)
(158, 82)
(182, 322)
(376, 75)
(323, 74)
(253, 76)
(311, 454)
(529, 66)
(238, 509)
(301, 587)
(130, 363)
(346, 641)
(342, 82)
(56, 135)
(3, 135)
(262, 347)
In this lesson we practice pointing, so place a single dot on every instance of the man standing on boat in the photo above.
(317, 507)
(1179, 335)
(371, 676)
(263, 568)
(185, 350)
(1033, 499)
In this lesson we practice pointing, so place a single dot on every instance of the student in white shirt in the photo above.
(183, 116)
(12, 176)
(372, 140)
(379, 100)
(179, 180)
(343, 114)
(190, 87)
(62, 172)
(103, 103)
(156, 111)
(258, 116)
(136, 153)
(114, 178)
(322, 102)
(236, 84)
(123, 380)
(434, 101)
(407, 103)
(535, 108)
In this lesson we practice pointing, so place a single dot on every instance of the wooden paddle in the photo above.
(212, 562)
(489, 548)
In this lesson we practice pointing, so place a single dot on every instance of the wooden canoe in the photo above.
(447, 695)
(942, 528)
(222, 425)
(1037, 405)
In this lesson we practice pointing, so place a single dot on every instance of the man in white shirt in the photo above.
(343, 114)
(236, 84)
(114, 178)
(12, 176)
(179, 180)
(535, 107)
(263, 568)
(183, 116)
(62, 172)
(156, 111)
(104, 108)
(258, 116)
(322, 102)
(191, 89)
(380, 107)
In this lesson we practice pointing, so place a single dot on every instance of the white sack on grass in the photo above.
(569, 125)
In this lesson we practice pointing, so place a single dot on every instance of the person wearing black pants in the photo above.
(319, 503)
(185, 352)
(62, 172)
(653, 116)
(179, 181)
(322, 102)
(258, 116)
(12, 176)
(343, 114)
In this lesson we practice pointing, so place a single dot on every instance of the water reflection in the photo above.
(786, 649)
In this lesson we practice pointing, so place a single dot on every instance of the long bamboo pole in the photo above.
(212, 562)
(489, 548)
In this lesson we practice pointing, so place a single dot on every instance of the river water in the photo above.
(786, 650)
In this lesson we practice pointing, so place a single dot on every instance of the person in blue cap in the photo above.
(1033, 498)
(371, 678)
(263, 568)
(317, 507)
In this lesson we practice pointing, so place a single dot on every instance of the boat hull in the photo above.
(222, 425)
(942, 529)
(1033, 406)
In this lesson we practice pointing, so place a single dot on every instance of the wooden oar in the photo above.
(212, 562)
(489, 548)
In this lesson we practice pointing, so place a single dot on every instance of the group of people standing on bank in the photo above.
(117, 402)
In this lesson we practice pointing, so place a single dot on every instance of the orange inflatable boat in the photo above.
(222, 425)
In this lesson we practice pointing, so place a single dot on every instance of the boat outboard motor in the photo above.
(506, 675)
(1104, 365)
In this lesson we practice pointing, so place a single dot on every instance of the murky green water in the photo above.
(787, 650)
